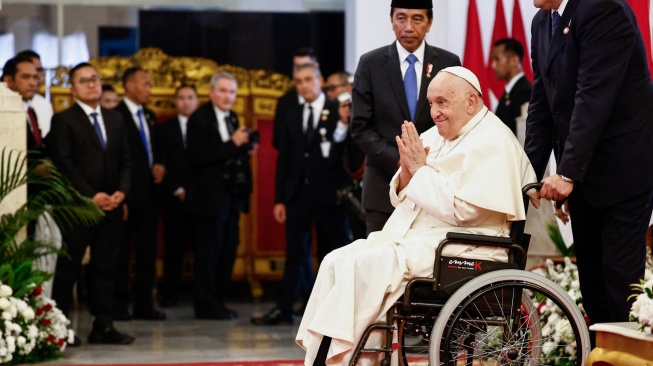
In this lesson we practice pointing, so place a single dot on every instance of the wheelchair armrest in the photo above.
(480, 240)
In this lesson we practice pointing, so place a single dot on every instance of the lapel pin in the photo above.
(323, 132)
(429, 68)
(325, 114)
(566, 30)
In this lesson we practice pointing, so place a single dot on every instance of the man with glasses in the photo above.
(89, 145)
(336, 84)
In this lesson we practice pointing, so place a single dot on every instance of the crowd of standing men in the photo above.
(196, 167)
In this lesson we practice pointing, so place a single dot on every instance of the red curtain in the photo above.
(500, 31)
(519, 33)
(641, 9)
(473, 58)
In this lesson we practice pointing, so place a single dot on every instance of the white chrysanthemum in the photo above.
(637, 305)
(6, 315)
(646, 312)
(32, 331)
(28, 313)
(575, 284)
(548, 347)
(21, 341)
(4, 303)
(5, 291)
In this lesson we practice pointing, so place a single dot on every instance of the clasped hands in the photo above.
(412, 153)
(108, 202)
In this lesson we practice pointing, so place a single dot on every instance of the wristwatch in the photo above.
(565, 179)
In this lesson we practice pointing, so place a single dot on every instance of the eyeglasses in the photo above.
(333, 87)
(93, 79)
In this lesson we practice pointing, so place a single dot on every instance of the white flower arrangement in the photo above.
(559, 345)
(642, 309)
(32, 329)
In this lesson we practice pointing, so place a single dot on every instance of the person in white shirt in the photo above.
(464, 174)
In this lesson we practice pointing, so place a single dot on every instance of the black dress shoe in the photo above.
(217, 314)
(149, 314)
(109, 336)
(122, 316)
(274, 317)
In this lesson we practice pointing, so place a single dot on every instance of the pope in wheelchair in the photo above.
(464, 175)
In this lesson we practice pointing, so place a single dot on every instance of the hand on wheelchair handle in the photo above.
(531, 190)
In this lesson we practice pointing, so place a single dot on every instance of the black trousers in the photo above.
(610, 252)
(215, 240)
(141, 224)
(375, 220)
(175, 226)
(331, 233)
(104, 239)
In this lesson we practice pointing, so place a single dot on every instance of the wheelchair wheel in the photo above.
(484, 323)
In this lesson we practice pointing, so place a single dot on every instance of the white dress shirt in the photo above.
(183, 125)
(419, 64)
(222, 124)
(88, 110)
(133, 109)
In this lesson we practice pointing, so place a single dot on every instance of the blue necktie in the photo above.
(144, 137)
(309, 126)
(555, 18)
(98, 130)
(410, 85)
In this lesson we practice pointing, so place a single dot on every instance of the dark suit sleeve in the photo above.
(283, 164)
(125, 169)
(60, 143)
(539, 123)
(606, 36)
(201, 150)
(363, 128)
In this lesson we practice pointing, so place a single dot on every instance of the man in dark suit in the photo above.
(592, 105)
(291, 98)
(89, 145)
(309, 172)
(172, 145)
(142, 208)
(384, 98)
(507, 55)
(218, 190)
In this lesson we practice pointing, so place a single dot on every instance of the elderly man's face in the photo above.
(223, 94)
(308, 83)
(449, 104)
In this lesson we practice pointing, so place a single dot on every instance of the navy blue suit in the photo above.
(592, 105)
(379, 108)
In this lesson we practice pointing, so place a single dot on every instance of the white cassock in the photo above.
(471, 184)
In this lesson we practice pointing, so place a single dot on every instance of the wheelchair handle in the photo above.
(529, 186)
(538, 186)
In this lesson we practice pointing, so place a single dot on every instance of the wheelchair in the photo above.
(478, 312)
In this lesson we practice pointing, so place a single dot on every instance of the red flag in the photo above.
(473, 58)
(641, 9)
(500, 31)
(519, 34)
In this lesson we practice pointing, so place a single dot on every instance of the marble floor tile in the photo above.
(181, 338)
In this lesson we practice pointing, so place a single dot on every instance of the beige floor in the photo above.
(181, 338)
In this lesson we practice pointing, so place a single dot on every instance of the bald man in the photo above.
(432, 195)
